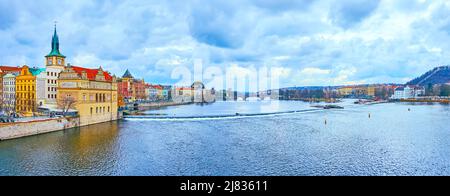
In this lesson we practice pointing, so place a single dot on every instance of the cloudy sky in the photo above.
(314, 42)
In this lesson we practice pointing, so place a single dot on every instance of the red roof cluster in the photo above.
(156, 86)
(91, 73)
(10, 68)
(159, 87)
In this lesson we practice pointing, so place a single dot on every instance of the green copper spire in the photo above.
(55, 46)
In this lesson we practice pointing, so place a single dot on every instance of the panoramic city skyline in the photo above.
(224, 96)
(314, 43)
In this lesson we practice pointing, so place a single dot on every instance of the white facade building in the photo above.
(398, 93)
(408, 92)
(40, 88)
(51, 83)
(151, 92)
(9, 92)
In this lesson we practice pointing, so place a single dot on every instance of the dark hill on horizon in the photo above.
(438, 75)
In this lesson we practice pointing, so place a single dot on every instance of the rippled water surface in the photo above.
(393, 141)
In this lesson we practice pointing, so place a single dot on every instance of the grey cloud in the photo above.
(214, 26)
(146, 36)
(348, 13)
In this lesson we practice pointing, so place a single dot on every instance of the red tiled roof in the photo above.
(91, 73)
(156, 86)
(10, 68)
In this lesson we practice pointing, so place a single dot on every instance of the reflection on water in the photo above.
(394, 141)
(63, 152)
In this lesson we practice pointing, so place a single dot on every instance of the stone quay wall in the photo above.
(29, 128)
(23, 129)
(95, 119)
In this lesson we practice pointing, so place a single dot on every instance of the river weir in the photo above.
(284, 139)
(213, 117)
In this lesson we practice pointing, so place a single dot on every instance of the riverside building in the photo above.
(90, 92)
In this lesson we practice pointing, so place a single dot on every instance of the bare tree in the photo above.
(65, 103)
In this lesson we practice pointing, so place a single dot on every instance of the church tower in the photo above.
(55, 58)
(54, 64)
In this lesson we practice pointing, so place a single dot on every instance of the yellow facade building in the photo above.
(91, 92)
(371, 91)
(344, 91)
(30, 84)
(357, 90)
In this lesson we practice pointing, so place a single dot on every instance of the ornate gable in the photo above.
(69, 73)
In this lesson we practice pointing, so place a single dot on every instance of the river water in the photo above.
(393, 141)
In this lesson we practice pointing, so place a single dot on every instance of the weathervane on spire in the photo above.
(55, 44)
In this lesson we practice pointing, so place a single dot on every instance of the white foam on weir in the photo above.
(208, 118)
